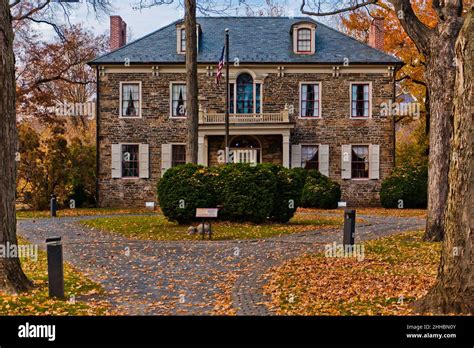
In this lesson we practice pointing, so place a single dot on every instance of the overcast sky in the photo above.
(143, 22)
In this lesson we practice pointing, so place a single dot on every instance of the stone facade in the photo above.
(335, 128)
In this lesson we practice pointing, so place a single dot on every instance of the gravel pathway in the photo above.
(183, 278)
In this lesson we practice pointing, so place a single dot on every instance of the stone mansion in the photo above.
(301, 95)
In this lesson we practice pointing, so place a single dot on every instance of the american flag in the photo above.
(220, 67)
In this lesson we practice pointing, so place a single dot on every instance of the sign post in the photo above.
(207, 214)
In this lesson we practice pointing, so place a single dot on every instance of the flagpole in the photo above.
(227, 82)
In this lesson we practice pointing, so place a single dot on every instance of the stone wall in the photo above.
(156, 127)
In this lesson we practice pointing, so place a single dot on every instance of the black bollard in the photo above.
(54, 248)
(349, 227)
(54, 205)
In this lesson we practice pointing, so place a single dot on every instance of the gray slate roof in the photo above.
(252, 40)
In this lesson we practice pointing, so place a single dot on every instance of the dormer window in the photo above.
(181, 38)
(304, 38)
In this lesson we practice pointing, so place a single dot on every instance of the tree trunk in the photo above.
(12, 278)
(440, 77)
(454, 289)
(192, 106)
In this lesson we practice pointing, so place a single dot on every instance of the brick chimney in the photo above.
(377, 33)
(118, 32)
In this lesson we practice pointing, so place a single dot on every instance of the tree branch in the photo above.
(341, 10)
(14, 3)
(419, 82)
(32, 11)
(415, 29)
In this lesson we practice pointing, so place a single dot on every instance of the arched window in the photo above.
(304, 40)
(246, 149)
(245, 94)
(245, 142)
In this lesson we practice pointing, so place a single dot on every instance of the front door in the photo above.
(245, 149)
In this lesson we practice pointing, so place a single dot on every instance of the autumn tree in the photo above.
(454, 289)
(410, 77)
(12, 278)
(437, 45)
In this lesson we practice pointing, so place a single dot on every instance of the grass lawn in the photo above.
(37, 302)
(34, 214)
(159, 228)
(373, 212)
(396, 270)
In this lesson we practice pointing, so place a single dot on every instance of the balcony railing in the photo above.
(215, 118)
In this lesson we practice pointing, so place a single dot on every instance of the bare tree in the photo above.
(192, 89)
(437, 44)
(192, 86)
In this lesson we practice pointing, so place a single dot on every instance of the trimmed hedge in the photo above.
(185, 188)
(408, 183)
(260, 193)
(287, 195)
(246, 193)
(320, 192)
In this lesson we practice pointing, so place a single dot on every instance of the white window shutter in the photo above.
(323, 159)
(116, 161)
(374, 164)
(144, 161)
(165, 158)
(346, 156)
(295, 156)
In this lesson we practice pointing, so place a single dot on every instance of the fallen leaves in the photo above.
(159, 228)
(87, 295)
(396, 271)
(32, 214)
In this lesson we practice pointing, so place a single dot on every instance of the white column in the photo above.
(206, 151)
(201, 150)
(286, 151)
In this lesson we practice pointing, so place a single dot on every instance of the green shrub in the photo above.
(408, 183)
(183, 189)
(288, 194)
(246, 192)
(320, 192)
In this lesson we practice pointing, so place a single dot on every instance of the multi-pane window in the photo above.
(360, 100)
(231, 98)
(130, 100)
(178, 155)
(310, 157)
(182, 40)
(360, 161)
(310, 100)
(246, 102)
(130, 165)
(304, 40)
(258, 97)
(178, 100)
